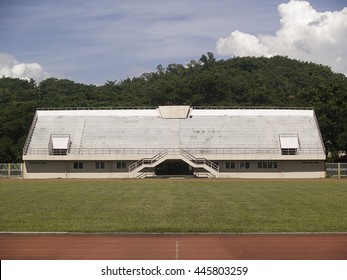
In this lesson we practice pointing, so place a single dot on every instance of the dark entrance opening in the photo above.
(173, 167)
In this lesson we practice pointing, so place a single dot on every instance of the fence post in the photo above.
(339, 170)
(9, 170)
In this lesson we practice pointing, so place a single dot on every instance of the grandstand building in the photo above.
(172, 141)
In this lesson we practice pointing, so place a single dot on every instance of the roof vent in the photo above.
(174, 112)
(289, 144)
(59, 144)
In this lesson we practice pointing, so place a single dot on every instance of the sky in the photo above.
(93, 42)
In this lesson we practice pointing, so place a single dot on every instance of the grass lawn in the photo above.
(173, 206)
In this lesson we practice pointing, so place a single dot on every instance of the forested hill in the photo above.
(273, 82)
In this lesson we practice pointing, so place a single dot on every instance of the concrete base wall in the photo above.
(274, 175)
(66, 170)
(116, 169)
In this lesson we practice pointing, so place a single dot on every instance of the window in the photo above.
(267, 165)
(78, 165)
(244, 165)
(121, 165)
(289, 152)
(100, 165)
(230, 165)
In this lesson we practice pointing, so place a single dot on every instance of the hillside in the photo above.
(265, 82)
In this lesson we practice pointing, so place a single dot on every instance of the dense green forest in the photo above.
(240, 82)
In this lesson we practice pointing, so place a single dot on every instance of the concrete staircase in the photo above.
(148, 162)
(209, 166)
(211, 169)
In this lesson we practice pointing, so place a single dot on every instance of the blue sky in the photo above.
(96, 41)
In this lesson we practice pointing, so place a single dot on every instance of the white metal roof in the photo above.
(203, 129)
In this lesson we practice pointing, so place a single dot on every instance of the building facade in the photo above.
(174, 140)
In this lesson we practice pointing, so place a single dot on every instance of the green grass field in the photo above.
(173, 206)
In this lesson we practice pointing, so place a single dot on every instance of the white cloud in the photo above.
(305, 34)
(241, 44)
(10, 67)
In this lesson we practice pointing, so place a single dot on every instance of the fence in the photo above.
(10, 170)
(334, 170)
(338, 170)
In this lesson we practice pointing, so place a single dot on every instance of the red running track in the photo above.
(173, 246)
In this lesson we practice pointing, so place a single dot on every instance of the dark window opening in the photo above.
(230, 165)
(289, 151)
(78, 165)
(267, 165)
(121, 165)
(245, 165)
(99, 165)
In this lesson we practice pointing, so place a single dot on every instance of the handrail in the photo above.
(192, 107)
(199, 160)
(163, 153)
(93, 108)
(173, 151)
(149, 161)
(145, 175)
(320, 134)
(250, 108)
(203, 174)
(30, 134)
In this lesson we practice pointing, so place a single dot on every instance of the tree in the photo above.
(247, 81)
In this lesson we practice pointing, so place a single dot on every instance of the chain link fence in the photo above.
(336, 170)
(9, 170)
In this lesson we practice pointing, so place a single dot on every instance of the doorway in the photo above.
(173, 167)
